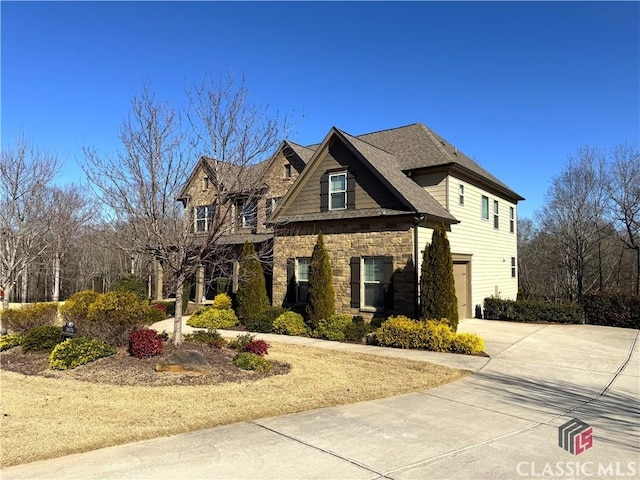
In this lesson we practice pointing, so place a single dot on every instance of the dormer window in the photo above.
(287, 170)
(338, 191)
(205, 183)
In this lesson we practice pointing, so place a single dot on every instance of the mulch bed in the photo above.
(123, 369)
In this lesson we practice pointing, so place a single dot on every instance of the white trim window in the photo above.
(250, 213)
(512, 220)
(203, 218)
(461, 194)
(302, 279)
(496, 218)
(338, 191)
(485, 207)
(372, 282)
(513, 267)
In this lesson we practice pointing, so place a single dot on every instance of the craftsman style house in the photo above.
(376, 198)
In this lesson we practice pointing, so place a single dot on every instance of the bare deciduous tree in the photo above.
(25, 174)
(624, 193)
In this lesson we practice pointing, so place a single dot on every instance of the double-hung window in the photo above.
(485, 207)
(203, 218)
(302, 280)
(372, 282)
(512, 220)
(338, 191)
(513, 267)
(461, 194)
(250, 213)
(496, 218)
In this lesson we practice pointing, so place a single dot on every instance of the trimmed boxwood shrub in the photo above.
(467, 343)
(433, 335)
(145, 343)
(357, 330)
(531, 311)
(333, 328)
(290, 323)
(41, 339)
(213, 318)
(263, 322)
(74, 352)
(10, 341)
(612, 309)
(251, 361)
(23, 319)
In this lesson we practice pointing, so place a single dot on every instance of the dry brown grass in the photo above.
(51, 417)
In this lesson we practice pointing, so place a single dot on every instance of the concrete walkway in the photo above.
(500, 423)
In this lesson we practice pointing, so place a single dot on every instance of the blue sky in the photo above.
(516, 86)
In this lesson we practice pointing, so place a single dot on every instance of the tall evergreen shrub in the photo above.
(440, 297)
(322, 299)
(252, 288)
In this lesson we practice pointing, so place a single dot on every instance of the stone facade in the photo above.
(344, 240)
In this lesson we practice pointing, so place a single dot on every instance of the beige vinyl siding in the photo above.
(490, 249)
(436, 185)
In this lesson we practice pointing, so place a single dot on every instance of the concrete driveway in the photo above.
(500, 423)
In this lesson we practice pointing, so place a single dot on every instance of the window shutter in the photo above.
(324, 192)
(351, 190)
(291, 281)
(387, 282)
(355, 282)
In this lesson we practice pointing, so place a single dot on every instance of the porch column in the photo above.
(199, 284)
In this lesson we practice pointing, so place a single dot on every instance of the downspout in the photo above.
(416, 259)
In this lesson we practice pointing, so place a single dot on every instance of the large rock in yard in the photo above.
(184, 361)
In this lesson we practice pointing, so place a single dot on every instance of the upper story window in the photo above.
(513, 267)
(203, 218)
(496, 218)
(512, 220)
(485, 207)
(272, 203)
(337, 191)
(250, 213)
(461, 194)
(287, 170)
(205, 183)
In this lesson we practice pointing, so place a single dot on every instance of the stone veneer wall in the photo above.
(346, 239)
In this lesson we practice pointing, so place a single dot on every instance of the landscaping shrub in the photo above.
(531, 311)
(23, 319)
(76, 308)
(290, 323)
(132, 284)
(259, 347)
(612, 309)
(78, 351)
(333, 328)
(10, 341)
(222, 301)
(164, 308)
(210, 337)
(241, 341)
(433, 335)
(357, 330)
(113, 316)
(467, 343)
(252, 290)
(263, 322)
(376, 322)
(321, 293)
(41, 339)
(145, 343)
(213, 318)
(155, 315)
(251, 361)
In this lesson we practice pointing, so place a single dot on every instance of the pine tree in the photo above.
(322, 303)
(252, 289)
(438, 300)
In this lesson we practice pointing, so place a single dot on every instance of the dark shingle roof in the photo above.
(305, 153)
(385, 164)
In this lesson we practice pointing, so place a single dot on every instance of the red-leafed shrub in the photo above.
(145, 343)
(259, 347)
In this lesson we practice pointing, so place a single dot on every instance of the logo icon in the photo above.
(575, 436)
